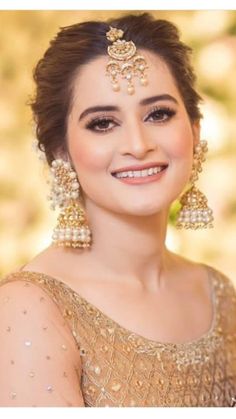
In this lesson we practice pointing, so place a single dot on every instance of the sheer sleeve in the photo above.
(39, 360)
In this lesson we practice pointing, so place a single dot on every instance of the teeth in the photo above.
(140, 173)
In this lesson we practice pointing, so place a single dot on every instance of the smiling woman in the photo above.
(107, 315)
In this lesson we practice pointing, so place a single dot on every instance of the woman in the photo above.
(107, 315)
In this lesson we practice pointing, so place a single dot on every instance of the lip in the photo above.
(143, 167)
(142, 180)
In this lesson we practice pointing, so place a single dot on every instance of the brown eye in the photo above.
(103, 124)
(161, 114)
(100, 125)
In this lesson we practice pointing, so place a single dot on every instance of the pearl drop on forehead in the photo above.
(125, 62)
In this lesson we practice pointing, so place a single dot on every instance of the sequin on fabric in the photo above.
(122, 368)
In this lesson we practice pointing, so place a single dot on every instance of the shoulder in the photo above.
(221, 280)
(46, 295)
(225, 300)
(21, 289)
(41, 280)
(223, 289)
(35, 339)
(23, 293)
(27, 302)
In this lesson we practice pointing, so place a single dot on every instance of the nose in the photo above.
(136, 140)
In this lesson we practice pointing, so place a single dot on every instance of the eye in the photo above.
(101, 124)
(161, 114)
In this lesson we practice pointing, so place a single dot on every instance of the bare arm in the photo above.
(39, 359)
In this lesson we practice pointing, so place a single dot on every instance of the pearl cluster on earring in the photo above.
(64, 184)
(198, 158)
(195, 212)
(71, 230)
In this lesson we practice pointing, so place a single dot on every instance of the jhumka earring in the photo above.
(71, 229)
(125, 61)
(195, 213)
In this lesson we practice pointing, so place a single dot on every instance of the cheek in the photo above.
(181, 144)
(86, 154)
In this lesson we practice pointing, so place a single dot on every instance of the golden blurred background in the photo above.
(26, 221)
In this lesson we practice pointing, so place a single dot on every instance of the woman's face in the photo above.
(142, 128)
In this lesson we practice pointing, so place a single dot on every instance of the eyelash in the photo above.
(164, 110)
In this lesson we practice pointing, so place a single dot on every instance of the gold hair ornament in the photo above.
(125, 61)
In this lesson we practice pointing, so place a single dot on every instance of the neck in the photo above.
(130, 247)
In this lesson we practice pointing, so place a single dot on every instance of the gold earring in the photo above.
(71, 229)
(195, 213)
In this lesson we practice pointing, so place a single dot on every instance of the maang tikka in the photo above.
(125, 62)
(72, 229)
(194, 212)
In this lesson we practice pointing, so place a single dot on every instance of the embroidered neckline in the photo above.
(140, 342)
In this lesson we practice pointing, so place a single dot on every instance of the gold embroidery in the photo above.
(121, 368)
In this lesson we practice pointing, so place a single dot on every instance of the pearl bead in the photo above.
(66, 165)
(74, 195)
(143, 81)
(74, 185)
(116, 87)
(130, 90)
(72, 175)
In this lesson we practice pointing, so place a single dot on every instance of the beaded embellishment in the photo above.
(122, 368)
(125, 61)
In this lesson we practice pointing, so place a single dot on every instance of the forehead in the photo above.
(91, 85)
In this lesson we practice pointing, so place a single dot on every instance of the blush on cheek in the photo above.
(86, 157)
(182, 145)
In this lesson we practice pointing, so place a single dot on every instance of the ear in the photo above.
(196, 129)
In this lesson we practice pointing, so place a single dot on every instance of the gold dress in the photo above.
(121, 368)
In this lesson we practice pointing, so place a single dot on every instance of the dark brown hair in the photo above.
(81, 43)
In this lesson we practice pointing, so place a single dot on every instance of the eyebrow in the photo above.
(143, 102)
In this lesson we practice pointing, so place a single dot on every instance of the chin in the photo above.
(145, 209)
